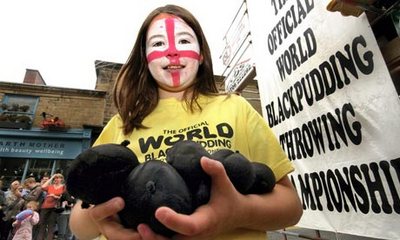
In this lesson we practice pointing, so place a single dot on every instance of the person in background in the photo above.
(167, 85)
(12, 208)
(25, 189)
(2, 206)
(34, 190)
(64, 232)
(55, 188)
(23, 227)
(2, 199)
(44, 179)
(36, 194)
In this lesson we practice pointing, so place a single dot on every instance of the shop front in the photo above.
(37, 152)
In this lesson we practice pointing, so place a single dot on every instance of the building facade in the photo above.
(42, 128)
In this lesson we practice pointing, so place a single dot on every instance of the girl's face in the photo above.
(173, 53)
(31, 207)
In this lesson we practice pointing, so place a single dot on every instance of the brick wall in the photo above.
(249, 92)
(76, 107)
(252, 95)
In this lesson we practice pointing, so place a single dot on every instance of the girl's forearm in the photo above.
(276, 210)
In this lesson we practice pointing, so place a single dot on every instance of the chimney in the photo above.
(106, 73)
(33, 77)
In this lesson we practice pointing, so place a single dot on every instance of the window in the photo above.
(18, 111)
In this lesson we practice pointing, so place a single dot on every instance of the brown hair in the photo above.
(58, 175)
(29, 180)
(32, 204)
(135, 90)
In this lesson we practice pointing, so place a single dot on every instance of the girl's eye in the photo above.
(184, 41)
(158, 44)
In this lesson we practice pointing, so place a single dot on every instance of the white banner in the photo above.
(327, 94)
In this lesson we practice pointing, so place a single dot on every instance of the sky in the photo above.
(62, 39)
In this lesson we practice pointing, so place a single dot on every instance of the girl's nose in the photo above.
(172, 54)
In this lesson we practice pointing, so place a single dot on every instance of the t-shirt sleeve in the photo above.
(110, 131)
(264, 143)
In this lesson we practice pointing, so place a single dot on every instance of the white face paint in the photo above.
(173, 53)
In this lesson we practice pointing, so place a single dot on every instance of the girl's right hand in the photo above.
(102, 219)
(105, 218)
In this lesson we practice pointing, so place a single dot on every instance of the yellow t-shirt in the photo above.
(224, 122)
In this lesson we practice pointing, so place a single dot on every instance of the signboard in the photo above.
(42, 144)
(327, 94)
(242, 72)
(238, 52)
(236, 35)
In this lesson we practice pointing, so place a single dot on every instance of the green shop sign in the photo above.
(37, 143)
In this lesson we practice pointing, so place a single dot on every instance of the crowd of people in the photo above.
(35, 210)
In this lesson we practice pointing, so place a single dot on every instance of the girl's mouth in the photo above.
(173, 67)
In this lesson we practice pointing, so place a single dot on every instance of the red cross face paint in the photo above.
(173, 53)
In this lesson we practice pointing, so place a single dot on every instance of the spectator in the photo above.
(2, 206)
(54, 188)
(34, 190)
(12, 207)
(64, 232)
(44, 179)
(39, 195)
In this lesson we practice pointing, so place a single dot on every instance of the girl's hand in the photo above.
(104, 216)
(221, 214)
(147, 234)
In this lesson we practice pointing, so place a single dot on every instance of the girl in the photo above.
(166, 93)
(23, 227)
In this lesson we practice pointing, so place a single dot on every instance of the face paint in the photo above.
(173, 50)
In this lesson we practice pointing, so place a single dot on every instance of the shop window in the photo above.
(40, 167)
(20, 168)
(18, 111)
(62, 166)
(11, 170)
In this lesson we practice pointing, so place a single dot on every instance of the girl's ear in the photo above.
(201, 59)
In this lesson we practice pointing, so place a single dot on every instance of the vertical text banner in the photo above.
(327, 94)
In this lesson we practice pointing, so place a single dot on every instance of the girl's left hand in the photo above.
(221, 214)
